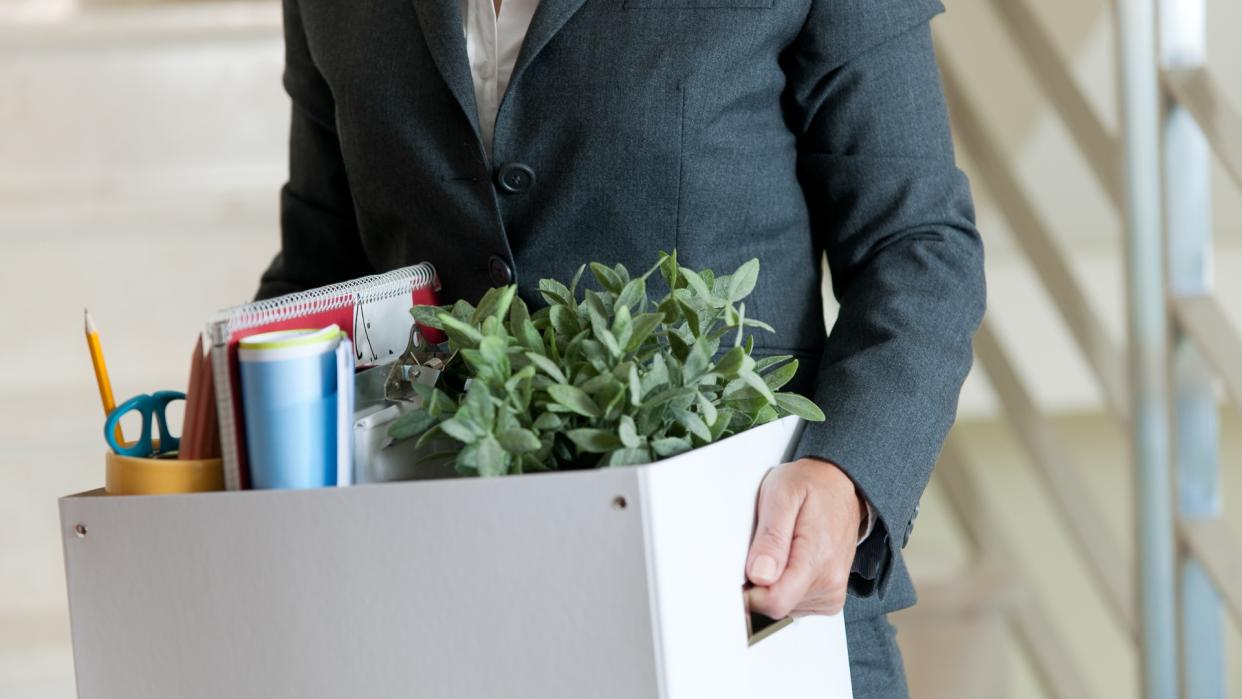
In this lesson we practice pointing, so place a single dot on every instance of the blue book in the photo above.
(297, 397)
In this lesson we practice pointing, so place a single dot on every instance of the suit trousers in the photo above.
(876, 669)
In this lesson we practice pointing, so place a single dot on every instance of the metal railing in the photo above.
(1155, 172)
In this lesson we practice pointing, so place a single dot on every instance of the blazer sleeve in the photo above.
(894, 215)
(319, 232)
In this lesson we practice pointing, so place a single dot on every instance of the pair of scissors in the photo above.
(149, 406)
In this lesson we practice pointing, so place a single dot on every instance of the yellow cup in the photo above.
(128, 475)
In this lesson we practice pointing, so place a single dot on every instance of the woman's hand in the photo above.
(803, 550)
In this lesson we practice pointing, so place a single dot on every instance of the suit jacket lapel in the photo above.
(549, 17)
(441, 22)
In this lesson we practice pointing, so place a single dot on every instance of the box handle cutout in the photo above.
(760, 626)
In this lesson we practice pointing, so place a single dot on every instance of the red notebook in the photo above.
(373, 311)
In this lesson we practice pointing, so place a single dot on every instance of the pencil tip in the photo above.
(90, 323)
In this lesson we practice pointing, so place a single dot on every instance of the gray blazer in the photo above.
(724, 129)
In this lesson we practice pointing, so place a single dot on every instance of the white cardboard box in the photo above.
(622, 582)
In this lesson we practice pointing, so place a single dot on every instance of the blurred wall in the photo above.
(142, 145)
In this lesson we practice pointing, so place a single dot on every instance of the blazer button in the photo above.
(499, 271)
(514, 178)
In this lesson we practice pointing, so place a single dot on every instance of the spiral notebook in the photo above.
(374, 311)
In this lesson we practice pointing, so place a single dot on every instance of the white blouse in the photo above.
(492, 44)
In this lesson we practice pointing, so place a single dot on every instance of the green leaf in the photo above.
(670, 309)
(629, 433)
(575, 399)
(678, 346)
(573, 285)
(730, 363)
(741, 327)
(622, 326)
(780, 376)
(691, 315)
(439, 404)
(696, 284)
(635, 386)
(429, 436)
(492, 349)
(707, 410)
(610, 342)
(518, 441)
(606, 277)
(549, 343)
(428, 316)
(564, 321)
(764, 415)
(495, 303)
(594, 441)
(547, 366)
(596, 384)
(489, 457)
(694, 425)
(697, 361)
(723, 417)
(462, 310)
(765, 362)
(411, 424)
(656, 376)
(458, 430)
(572, 351)
(667, 395)
(523, 328)
(628, 457)
(548, 422)
(478, 405)
(654, 268)
(528, 336)
(594, 352)
(518, 312)
(670, 446)
(752, 323)
(795, 404)
(597, 311)
(611, 397)
(669, 269)
(742, 282)
(643, 325)
(479, 367)
(493, 327)
(633, 293)
(555, 293)
(461, 334)
(750, 378)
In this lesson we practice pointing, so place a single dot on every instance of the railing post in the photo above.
(1196, 432)
(1148, 339)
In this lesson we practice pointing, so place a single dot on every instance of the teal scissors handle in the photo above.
(149, 406)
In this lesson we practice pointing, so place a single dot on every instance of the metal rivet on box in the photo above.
(80, 530)
(619, 502)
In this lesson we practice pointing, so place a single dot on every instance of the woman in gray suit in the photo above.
(510, 140)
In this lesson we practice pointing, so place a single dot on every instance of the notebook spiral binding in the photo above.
(380, 287)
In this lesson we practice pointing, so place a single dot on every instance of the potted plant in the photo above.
(605, 377)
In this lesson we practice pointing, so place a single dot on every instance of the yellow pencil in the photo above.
(101, 372)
